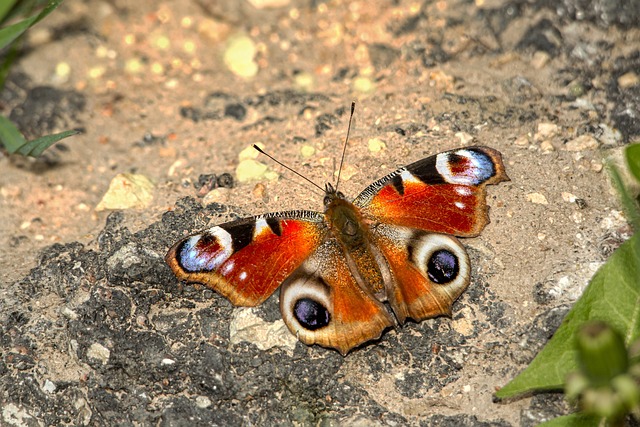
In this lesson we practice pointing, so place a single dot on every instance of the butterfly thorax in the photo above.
(352, 232)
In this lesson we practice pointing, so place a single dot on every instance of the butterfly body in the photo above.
(393, 244)
(352, 232)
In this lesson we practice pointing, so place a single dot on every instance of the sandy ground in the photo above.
(149, 85)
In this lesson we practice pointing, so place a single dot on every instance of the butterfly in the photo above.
(394, 244)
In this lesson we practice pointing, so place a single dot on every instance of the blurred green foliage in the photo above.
(16, 17)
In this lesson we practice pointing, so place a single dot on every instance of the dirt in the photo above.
(96, 331)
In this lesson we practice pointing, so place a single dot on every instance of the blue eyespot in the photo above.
(311, 314)
(483, 166)
(442, 267)
(465, 167)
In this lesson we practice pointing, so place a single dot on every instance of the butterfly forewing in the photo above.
(444, 193)
(246, 260)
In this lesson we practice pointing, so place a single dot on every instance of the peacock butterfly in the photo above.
(393, 243)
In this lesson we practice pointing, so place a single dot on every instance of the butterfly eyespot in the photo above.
(441, 259)
(206, 251)
(311, 314)
(443, 266)
(305, 304)
(465, 167)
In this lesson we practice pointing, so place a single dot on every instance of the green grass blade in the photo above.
(5, 8)
(10, 136)
(37, 146)
(14, 142)
(613, 296)
(53, 4)
(12, 32)
(632, 153)
(6, 64)
(573, 420)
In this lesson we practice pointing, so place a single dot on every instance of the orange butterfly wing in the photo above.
(415, 212)
(429, 271)
(323, 304)
(444, 193)
(246, 260)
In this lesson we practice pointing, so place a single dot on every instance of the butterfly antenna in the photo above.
(288, 168)
(344, 149)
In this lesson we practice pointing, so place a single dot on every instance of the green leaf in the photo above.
(10, 136)
(573, 420)
(630, 206)
(37, 146)
(12, 32)
(632, 153)
(613, 296)
(5, 7)
(14, 142)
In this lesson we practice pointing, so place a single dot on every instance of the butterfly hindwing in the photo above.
(429, 271)
(444, 193)
(322, 303)
(246, 260)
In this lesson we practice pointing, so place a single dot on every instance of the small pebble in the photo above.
(307, 151)
(133, 66)
(239, 56)
(583, 142)
(305, 81)
(540, 60)
(628, 80)
(537, 198)
(348, 172)
(568, 197)
(99, 352)
(464, 138)
(363, 85)
(522, 141)
(546, 131)
(69, 313)
(259, 191)
(127, 191)
(250, 170)
(250, 153)
(547, 146)
(596, 166)
(97, 72)
(213, 31)
(10, 191)
(376, 145)
(161, 42)
(217, 195)
(62, 73)
(609, 135)
(49, 386)
(203, 402)
(269, 4)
